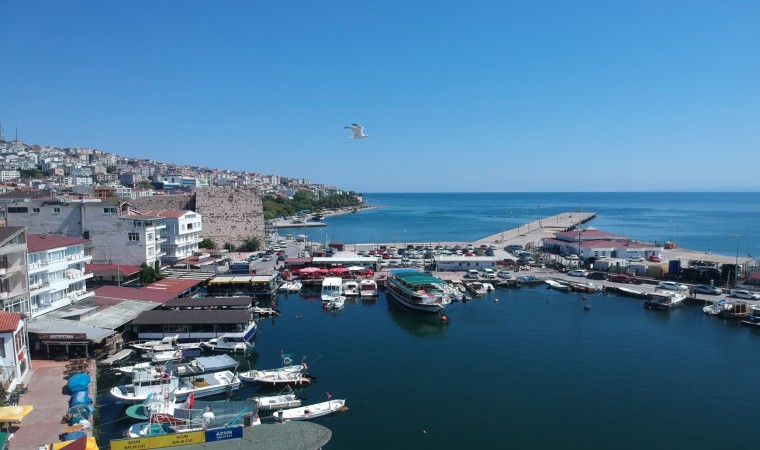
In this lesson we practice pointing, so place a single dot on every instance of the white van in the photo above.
(489, 273)
(472, 273)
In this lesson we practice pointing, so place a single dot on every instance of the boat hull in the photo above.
(428, 308)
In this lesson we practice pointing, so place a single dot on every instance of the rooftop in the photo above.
(9, 321)
(40, 242)
(192, 317)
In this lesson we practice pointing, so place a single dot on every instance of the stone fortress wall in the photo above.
(230, 213)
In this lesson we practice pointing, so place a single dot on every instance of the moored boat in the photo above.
(715, 307)
(332, 287)
(168, 343)
(287, 399)
(276, 377)
(350, 288)
(233, 342)
(146, 382)
(557, 285)
(368, 287)
(663, 300)
(311, 411)
(418, 290)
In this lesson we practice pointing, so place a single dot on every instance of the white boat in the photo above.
(285, 286)
(554, 284)
(168, 343)
(276, 377)
(336, 303)
(295, 286)
(146, 382)
(311, 411)
(632, 292)
(350, 288)
(368, 287)
(476, 288)
(715, 307)
(287, 399)
(419, 291)
(331, 287)
(664, 299)
(170, 355)
(238, 342)
(196, 366)
(488, 287)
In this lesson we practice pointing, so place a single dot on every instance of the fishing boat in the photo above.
(350, 288)
(196, 366)
(419, 291)
(170, 355)
(715, 307)
(146, 382)
(368, 287)
(663, 300)
(237, 342)
(557, 285)
(286, 399)
(584, 287)
(168, 343)
(336, 303)
(276, 377)
(311, 411)
(332, 287)
(285, 286)
(295, 286)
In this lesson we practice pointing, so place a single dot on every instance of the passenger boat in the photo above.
(350, 288)
(557, 285)
(419, 291)
(287, 399)
(331, 287)
(368, 287)
(233, 342)
(663, 300)
(276, 377)
(311, 411)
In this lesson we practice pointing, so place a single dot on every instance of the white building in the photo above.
(594, 243)
(7, 175)
(14, 279)
(15, 363)
(463, 263)
(118, 234)
(56, 272)
(182, 233)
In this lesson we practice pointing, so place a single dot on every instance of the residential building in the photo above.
(182, 233)
(7, 175)
(118, 235)
(14, 278)
(56, 272)
(15, 363)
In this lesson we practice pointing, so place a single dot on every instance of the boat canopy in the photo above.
(415, 277)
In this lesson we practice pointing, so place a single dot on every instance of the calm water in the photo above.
(533, 370)
(698, 221)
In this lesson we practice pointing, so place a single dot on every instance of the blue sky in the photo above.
(456, 96)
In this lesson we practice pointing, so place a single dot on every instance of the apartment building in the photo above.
(14, 278)
(56, 272)
(15, 363)
(182, 233)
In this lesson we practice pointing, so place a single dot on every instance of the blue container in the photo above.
(674, 267)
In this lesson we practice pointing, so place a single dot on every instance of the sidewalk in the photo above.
(48, 393)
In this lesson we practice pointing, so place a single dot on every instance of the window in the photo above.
(17, 209)
(150, 237)
(134, 237)
(151, 251)
(35, 210)
(56, 210)
(109, 210)
(2, 347)
(138, 223)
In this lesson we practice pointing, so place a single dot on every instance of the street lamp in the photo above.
(736, 264)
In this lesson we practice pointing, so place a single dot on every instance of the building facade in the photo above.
(14, 278)
(182, 233)
(56, 272)
(15, 364)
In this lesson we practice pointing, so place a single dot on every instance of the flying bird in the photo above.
(357, 131)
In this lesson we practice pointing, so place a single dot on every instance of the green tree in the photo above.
(110, 169)
(252, 244)
(229, 246)
(144, 184)
(206, 243)
(147, 274)
(30, 173)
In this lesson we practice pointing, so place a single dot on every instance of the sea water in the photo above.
(534, 370)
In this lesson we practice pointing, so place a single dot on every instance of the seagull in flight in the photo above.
(357, 131)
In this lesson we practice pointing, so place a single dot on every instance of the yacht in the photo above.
(350, 288)
(368, 287)
(332, 287)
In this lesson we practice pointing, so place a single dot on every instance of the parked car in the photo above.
(743, 293)
(705, 289)
(573, 257)
(504, 274)
(635, 259)
(597, 276)
(525, 261)
(622, 278)
(655, 259)
(673, 286)
(577, 273)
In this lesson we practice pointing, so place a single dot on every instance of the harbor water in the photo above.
(535, 369)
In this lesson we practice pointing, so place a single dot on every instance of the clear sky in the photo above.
(456, 95)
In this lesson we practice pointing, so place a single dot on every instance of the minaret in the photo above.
(2, 135)
(16, 133)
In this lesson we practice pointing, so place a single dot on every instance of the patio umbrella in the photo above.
(309, 270)
(355, 268)
(14, 413)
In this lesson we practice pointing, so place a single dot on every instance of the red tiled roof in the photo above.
(172, 285)
(39, 242)
(9, 321)
(101, 269)
(111, 295)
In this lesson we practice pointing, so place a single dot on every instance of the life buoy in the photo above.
(165, 376)
(287, 361)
